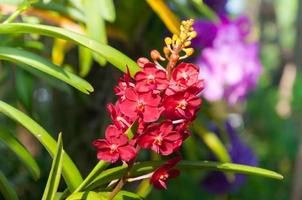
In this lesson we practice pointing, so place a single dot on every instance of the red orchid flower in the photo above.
(120, 120)
(144, 105)
(151, 79)
(161, 138)
(164, 173)
(181, 105)
(185, 76)
(115, 146)
(123, 84)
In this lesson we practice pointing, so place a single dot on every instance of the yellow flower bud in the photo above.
(166, 50)
(193, 34)
(175, 37)
(168, 41)
(189, 51)
(187, 43)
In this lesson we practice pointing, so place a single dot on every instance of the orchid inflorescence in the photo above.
(160, 102)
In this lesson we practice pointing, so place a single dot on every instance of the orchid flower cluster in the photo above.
(228, 76)
(160, 102)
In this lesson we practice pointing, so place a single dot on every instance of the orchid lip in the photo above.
(140, 105)
(113, 148)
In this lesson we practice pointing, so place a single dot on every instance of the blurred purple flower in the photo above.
(217, 182)
(229, 63)
(216, 5)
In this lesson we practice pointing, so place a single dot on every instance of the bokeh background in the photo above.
(269, 119)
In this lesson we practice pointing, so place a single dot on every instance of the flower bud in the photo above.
(142, 61)
(168, 41)
(193, 34)
(189, 51)
(166, 50)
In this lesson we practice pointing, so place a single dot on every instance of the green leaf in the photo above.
(6, 189)
(112, 55)
(130, 132)
(107, 10)
(42, 64)
(71, 174)
(147, 167)
(92, 175)
(95, 26)
(24, 87)
(213, 142)
(85, 60)
(144, 188)
(55, 172)
(90, 195)
(12, 142)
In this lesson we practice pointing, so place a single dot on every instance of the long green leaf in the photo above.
(42, 64)
(95, 26)
(147, 167)
(112, 55)
(24, 87)
(55, 172)
(90, 195)
(107, 10)
(9, 139)
(71, 174)
(213, 142)
(6, 189)
(85, 61)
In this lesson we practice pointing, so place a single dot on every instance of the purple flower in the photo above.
(229, 63)
(216, 5)
(217, 182)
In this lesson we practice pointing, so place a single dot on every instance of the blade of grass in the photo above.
(55, 172)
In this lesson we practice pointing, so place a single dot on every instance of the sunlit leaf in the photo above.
(55, 172)
(166, 15)
(112, 55)
(42, 64)
(58, 51)
(85, 61)
(92, 175)
(90, 195)
(147, 167)
(6, 189)
(12, 142)
(213, 142)
(95, 26)
(107, 10)
(71, 174)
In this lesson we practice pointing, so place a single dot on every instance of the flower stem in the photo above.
(122, 181)
(24, 6)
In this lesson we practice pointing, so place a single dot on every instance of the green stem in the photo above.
(92, 175)
(205, 10)
(24, 6)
